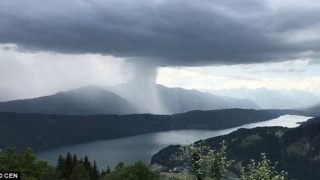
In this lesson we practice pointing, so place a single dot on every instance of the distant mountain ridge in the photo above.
(177, 100)
(125, 99)
(272, 99)
(315, 109)
(86, 100)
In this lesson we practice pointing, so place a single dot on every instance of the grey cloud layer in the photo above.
(164, 32)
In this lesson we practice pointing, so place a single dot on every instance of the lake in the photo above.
(142, 147)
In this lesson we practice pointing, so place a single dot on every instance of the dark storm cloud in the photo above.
(164, 32)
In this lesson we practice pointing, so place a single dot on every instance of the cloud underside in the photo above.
(166, 32)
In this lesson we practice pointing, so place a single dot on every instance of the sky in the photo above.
(48, 46)
(288, 75)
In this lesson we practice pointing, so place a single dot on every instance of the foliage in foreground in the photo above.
(261, 170)
(205, 163)
(73, 168)
(136, 171)
(26, 163)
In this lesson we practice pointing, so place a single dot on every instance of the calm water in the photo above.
(142, 147)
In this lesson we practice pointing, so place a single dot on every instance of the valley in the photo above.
(42, 131)
(142, 147)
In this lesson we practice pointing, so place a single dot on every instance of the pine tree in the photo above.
(61, 166)
(68, 166)
(61, 162)
(87, 165)
(75, 160)
(105, 172)
(95, 171)
(79, 173)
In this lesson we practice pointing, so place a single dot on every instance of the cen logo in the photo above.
(9, 175)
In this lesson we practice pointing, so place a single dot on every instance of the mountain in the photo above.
(272, 99)
(158, 99)
(297, 150)
(125, 99)
(42, 131)
(315, 109)
(86, 100)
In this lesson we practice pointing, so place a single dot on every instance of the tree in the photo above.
(75, 160)
(207, 162)
(136, 171)
(65, 166)
(53, 174)
(68, 166)
(108, 170)
(119, 166)
(87, 163)
(261, 170)
(61, 166)
(95, 171)
(217, 163)
(25, 163)
(195, 153)
(80, 173)
(105, 172)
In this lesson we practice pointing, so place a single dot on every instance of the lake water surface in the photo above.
(142, 147)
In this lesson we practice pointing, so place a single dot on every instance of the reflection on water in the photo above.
(142, 147)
